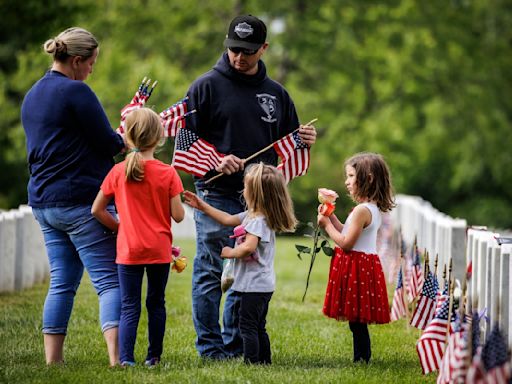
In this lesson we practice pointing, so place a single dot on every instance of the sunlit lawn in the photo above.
(306, 346)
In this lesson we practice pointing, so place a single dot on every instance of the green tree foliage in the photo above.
(25, 27)
(427, 84)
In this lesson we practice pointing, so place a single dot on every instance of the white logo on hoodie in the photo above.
(268, 104)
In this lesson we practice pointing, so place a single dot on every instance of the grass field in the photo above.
(306, 346)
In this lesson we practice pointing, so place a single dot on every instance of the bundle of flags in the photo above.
(138, 101)
(173, 118)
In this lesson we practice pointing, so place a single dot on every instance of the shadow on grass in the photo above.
(338, 362)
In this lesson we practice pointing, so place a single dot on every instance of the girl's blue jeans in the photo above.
(130, 278)
(75, 239)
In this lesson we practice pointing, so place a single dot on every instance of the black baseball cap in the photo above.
(246, 32)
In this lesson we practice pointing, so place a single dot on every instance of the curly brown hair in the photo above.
(373, 179)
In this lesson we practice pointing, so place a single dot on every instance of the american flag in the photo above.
(138, 101)
(495, 358)
(398, 308)
(476, 370)
(173, 117)
(430, 346)
(294, 154)
(454, 366)
(194, 155)
(416, 277)
(425, 309)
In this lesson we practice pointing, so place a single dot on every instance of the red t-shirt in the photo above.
(144, 209)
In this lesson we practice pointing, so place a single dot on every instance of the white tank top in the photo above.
(367, 241)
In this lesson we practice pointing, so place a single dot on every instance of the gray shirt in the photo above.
(255, 273)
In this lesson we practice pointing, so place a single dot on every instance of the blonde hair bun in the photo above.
(71, 42)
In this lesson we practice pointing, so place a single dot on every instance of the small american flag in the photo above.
(430, 346)
(173, 117)
(398, 309)
(294, 154)
(425, 309)
(476, 369)
(495, 358)
(194, 155)
(454, 366)
(416, 277)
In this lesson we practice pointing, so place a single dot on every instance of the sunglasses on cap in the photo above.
(245, 51)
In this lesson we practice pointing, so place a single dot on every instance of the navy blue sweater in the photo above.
(70, 143)
(239, 115)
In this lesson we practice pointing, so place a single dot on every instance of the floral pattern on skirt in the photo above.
(356, 290)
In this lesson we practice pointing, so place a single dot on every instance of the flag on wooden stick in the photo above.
(294, 154)
(425, 309)
(430, 346)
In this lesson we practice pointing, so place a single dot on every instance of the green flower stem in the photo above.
(313, 256)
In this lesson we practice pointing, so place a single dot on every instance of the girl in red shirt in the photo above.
(147, 194)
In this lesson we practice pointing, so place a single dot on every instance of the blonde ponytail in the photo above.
(144, 131)
(134, 166)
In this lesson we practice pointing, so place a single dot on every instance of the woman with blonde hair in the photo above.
(147, 194)
(269, 210)
(70, 149)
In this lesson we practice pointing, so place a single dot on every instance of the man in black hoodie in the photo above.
(240, 110)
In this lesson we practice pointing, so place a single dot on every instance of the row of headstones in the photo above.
(488, 289)
(23, 260)
(489, 286)
(436, 233)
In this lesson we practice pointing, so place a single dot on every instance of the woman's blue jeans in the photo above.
(211, 342)
(75, 239)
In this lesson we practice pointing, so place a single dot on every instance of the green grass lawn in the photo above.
(306, 346)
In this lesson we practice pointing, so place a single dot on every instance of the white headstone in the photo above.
(7, 251)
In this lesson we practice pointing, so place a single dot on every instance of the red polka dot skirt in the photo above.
(356, 290)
